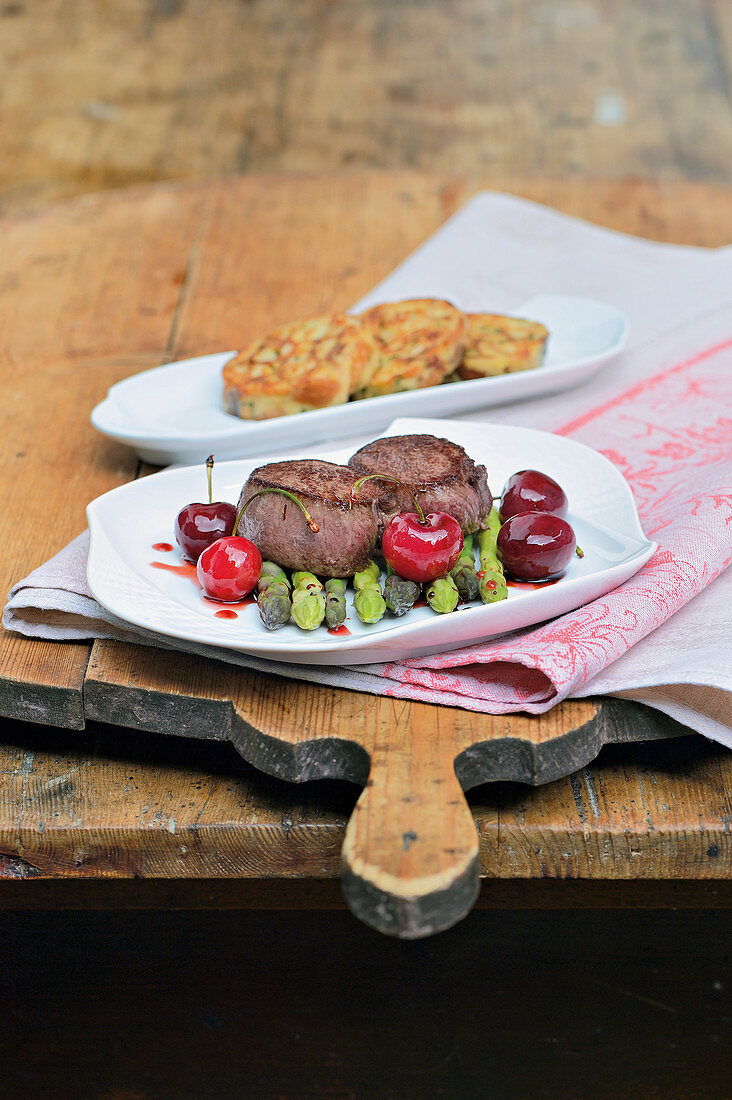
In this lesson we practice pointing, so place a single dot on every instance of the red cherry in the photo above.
(422, 551)
(199, 525)
(535, 546)
(229, 569)
(418, 547)
(532, 491)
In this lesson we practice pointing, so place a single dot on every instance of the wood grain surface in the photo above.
(134, 91)
(74, 287)
(108, 284)
(112, 804)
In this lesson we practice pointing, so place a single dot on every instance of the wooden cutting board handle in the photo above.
(410, 854)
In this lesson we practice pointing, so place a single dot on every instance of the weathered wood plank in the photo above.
(302, 731)
(112, 803)
(649, 828)
(88, 291)
(116, 804)
(106, 96)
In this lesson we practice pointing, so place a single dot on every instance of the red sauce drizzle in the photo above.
(338, 629)
(185, 569)
(188, 569)
(526, 585)
(162, 547)
(518, 584)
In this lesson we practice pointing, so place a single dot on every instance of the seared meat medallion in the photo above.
(277, 527)
(441, 475)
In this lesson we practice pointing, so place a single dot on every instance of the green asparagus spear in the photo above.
(370, 604)
(493, 586)
(308, 600)
(492, 523)
(492, 582)
(466, 554)
(400, 594)
(466, 580)
(272, 569)
(442, 595)
(487, 542)
(302, 579)
(369, 575)
(267, 579)
(309, 611)
(273, 602)
(335, 602)
(274, 606)
(487, 548)
(463, 572)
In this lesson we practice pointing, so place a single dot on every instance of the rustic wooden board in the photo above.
(648, 824)
(183, 270)
(411, 852)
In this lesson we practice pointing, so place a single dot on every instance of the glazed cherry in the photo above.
(536, 546)
(532, 491)
(199, 525)
(418, 547)
(422, 549)
(229, 569)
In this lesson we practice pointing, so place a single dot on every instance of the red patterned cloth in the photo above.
(671, 437)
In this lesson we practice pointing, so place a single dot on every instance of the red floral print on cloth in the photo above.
(671, 439)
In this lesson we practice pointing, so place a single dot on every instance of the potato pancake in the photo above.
(499, 345)
(306, 365)
(420, 342)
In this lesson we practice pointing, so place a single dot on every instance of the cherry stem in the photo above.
(385, 477)
(579, 552)
(209, 471)
(283, 492)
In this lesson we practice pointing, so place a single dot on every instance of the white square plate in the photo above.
(174, 413)
(127, 522)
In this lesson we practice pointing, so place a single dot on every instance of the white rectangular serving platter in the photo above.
(128, 521)
(174, 413)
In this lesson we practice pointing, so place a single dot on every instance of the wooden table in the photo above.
(109, 95)
(93, 810)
